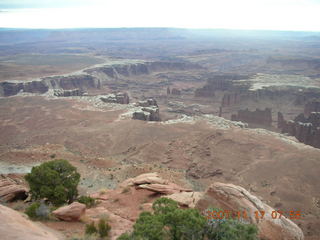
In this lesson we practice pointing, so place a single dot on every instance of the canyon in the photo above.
(195, 108)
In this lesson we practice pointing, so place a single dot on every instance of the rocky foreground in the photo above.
(123, 205)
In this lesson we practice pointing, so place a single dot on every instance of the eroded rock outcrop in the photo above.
(173, 91)
(67, 93)
(70, 213)
(305, 129)
(262, 117)
(14, 226)
(219, 83)
(81, 82)
(121, 98)
(153, 182)
(312, 106)
(148, 111)
(234, 198)
(186, 199)
(11, 189)
(13, 88)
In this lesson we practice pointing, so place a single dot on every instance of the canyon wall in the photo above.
(81, 82)
(305, 129)
(91, 77)
(261, 117)
(134, 69)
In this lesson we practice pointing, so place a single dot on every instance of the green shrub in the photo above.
(55, 180)
(88, 201)
(91, 229)
(31, 210)
(170, 222)
(103, 228)
(232, 229)
(38, 211)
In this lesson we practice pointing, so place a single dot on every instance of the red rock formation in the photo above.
(235, 198)
(72, 212)
(154, 183)
(14, 226)
(186, 199)
(10, 189)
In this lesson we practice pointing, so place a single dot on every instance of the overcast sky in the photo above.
(233, 14)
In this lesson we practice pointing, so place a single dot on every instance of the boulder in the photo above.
(70, 213)
(149, 178)
(167, 189)
(186, 199)
(15, 226)
(10, 190)
(145, 178)
(234, 198)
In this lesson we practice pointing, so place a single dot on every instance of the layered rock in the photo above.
(262, 117)
(70, 213)
(81, 82)
(169, 188)
(234, 198)
(186, 199)
(219, 83)
(148, 110)
(312, 106)
(305, 129)
(13, 88)
(153, 182)
(67, 93)
(11, 190)
(134, 69)
(121, 98)
(15, 226)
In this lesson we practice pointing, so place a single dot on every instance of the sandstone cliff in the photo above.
(261, 117)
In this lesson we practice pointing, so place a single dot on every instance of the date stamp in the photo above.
(244, 215)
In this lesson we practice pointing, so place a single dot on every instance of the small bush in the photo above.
(88, 201)
(103, 228)
(38, 211)
(31, 210)
(91, 229)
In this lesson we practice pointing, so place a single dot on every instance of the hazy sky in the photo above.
(233, 14)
